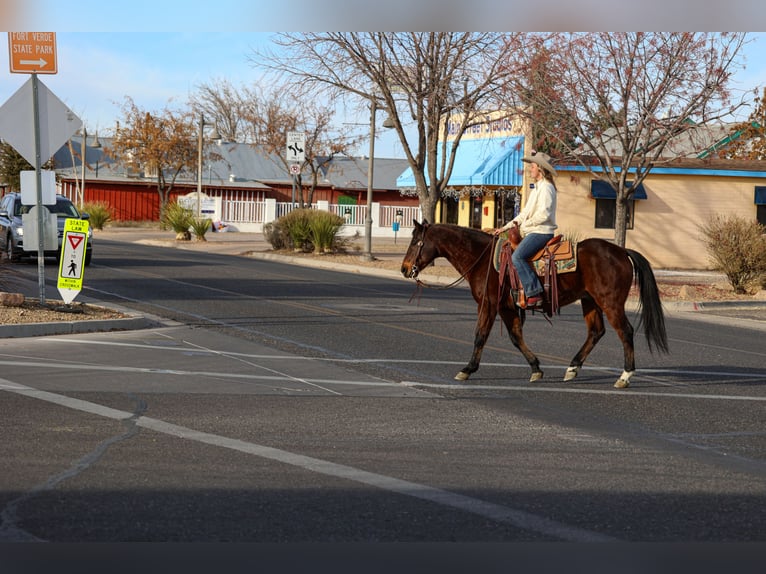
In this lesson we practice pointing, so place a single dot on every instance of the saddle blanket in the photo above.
(564, 255)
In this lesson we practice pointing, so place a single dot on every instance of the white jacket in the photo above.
(539, 213)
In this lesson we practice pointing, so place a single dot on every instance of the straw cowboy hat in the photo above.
(541, 159)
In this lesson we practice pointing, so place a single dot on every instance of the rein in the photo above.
(420, 284)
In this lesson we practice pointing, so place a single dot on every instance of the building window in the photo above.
(606, 203)
(760, 204)
(606, 212)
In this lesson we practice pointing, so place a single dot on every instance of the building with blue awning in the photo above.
(484, 188)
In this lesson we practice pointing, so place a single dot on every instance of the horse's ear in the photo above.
(425, 222)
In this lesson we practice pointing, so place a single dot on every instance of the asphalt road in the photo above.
(276, 403)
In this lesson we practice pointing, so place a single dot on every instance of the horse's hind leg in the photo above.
(594, 322)
(619, 321)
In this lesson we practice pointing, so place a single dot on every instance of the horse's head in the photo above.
(421, 252)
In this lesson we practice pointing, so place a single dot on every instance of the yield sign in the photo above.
(75, 240)
(72, 258)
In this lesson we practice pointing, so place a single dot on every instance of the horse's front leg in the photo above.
(483, 328)
(479, 340)
(514, 323)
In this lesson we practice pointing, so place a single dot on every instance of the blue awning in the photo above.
(495, 161)
(760, 195)
(600, 189)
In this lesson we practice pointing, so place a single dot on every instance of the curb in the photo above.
(21, 330)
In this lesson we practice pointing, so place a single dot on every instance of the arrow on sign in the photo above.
(40, 63)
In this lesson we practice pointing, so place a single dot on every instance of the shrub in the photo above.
(200, 227)
(323, 227)
(736, 247)
(99, 213)
(296, 226)
(179, 219)
(276, 235)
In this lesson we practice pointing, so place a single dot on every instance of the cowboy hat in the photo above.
(541, 159)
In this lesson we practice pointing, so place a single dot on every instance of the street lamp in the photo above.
(387, 123)
(215, 136)
(83, 146)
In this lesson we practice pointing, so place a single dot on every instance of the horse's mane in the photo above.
(460, 230)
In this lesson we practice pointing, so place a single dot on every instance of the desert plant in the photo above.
(99, 213)
(296, 226)
(179, 219)
(323, 228)
(736, 247)
(276, 235)
(199, 227)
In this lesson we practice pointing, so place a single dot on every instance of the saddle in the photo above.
(557, 256)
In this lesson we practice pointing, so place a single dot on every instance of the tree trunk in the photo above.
(620, 220)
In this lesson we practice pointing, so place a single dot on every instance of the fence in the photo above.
(252, 218)
(242, 212)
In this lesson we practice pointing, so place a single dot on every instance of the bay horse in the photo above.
(602, 280)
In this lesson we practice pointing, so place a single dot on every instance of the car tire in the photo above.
(88, 256)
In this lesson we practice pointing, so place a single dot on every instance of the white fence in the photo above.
(252, 215)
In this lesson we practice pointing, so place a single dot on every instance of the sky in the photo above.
(158, 52)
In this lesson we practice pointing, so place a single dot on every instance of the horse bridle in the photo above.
(415, 271)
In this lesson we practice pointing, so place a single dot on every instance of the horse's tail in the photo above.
(652, 317)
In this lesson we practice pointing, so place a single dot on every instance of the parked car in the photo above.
(12, 232)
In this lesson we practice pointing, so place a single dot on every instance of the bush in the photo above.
(99, 213)
(736, 247)
(305, 230)
(179, 219)
(323, 227)
(297, 229)
(200, 227)
(276, 234)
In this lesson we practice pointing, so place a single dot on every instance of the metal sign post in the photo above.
(52, 122)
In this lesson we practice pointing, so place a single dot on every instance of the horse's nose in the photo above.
(405, 270)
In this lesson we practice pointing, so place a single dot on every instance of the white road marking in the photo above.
(499, 513)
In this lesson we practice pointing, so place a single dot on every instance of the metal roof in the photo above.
(479, 162)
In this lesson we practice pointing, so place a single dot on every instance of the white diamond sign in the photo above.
(17, 122)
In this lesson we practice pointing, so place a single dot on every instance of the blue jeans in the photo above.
(530, 245)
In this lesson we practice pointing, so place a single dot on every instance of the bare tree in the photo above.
(163, 145)
(232, 109)
(419, 78)
(626, 98)
(281, 115)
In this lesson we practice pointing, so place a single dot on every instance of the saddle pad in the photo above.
(566, 260)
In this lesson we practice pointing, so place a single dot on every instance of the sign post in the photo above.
(34, 106)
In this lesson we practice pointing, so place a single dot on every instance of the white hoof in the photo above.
(571, 373)
(461, 376)
(536, 377)
(624, 381)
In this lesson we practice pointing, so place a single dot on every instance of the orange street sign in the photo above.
(32, 52)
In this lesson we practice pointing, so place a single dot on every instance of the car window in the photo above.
(64, 209)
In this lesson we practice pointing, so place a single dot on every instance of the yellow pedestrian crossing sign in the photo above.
(72, 260)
